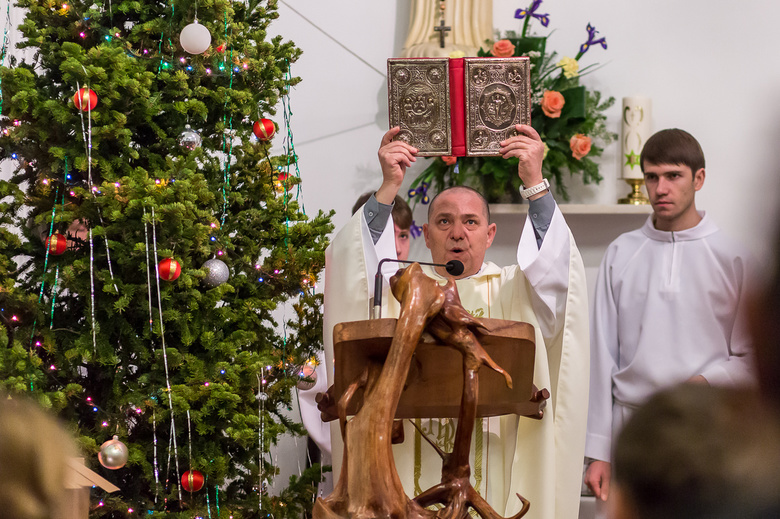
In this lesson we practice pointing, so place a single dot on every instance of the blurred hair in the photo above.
(34, 455)
(695, 451)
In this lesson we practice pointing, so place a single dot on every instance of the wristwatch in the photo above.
(531, 191)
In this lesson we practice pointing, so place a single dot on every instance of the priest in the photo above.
(538, 459)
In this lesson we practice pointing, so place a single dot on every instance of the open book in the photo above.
(458, 106)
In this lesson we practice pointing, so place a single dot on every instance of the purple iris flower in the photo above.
(592, 40)
(531, 11)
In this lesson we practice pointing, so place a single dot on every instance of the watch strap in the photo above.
(527, 193)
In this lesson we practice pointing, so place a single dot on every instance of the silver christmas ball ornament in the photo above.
(217, 274)
(189, 139)
(113, 454)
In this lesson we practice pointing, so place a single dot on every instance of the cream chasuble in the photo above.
(539, 459)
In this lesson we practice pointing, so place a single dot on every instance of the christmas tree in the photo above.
(159, 283)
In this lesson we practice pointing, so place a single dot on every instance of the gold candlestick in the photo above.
(635, 197)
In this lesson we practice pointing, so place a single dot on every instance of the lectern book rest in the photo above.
(434, 386)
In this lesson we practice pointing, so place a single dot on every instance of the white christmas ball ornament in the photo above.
(195, 38)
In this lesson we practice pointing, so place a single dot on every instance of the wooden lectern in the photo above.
(388, 369)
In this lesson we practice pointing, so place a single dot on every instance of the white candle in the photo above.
(637, 128)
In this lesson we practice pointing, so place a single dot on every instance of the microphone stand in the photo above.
(453, 267)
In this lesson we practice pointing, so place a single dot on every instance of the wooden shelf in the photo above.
(578, 209)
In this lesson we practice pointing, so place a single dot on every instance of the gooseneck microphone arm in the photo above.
(454, 267)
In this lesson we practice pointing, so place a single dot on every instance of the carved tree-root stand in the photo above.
(369, 486)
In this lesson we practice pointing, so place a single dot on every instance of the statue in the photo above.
(468, 23)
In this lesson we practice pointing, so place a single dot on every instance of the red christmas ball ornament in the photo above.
(85, 99)
(56, 243)
(169, 269)
(264, 129)
(283, 183)
(192, 481)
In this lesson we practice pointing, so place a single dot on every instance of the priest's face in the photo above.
(458, 229)
(672, 190)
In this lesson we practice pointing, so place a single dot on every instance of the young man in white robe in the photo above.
(538, 459)
(668, 302)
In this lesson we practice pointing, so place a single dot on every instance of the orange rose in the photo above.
(580, 145)
(449, 160)
(552, 103)
(503, 49)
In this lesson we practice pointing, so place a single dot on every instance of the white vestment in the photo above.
(668, 306)
(539, 459)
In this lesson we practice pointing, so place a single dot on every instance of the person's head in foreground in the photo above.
(694, 452)
(34, 455)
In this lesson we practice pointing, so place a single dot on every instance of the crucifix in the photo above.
(442, 29)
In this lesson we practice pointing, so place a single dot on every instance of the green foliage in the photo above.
(582, 113)
(119, 173)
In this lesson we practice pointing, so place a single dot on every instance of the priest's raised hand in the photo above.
(528, 148)
(394, 158)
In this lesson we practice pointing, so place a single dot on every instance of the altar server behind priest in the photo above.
(669, 302)
(538, 459)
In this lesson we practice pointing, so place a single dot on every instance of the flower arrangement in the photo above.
(568, 117)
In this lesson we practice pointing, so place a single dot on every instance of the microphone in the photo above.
(454, 267)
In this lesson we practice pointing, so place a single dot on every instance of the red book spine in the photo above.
(457, 107)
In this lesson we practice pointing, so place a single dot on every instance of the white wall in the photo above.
(707, 69)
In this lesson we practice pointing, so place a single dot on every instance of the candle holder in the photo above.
(636, 196)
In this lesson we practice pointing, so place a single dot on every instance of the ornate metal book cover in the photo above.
(498, 96)
(418, 92)
(460, 106)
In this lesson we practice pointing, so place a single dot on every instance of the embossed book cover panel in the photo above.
(418, 93)
(498, 96)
